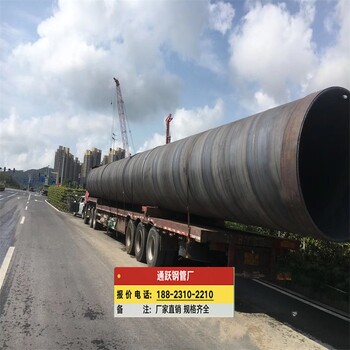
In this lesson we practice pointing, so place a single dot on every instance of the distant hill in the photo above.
(8, 180)
(34, 177)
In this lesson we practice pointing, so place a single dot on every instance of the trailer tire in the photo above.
(95, 225)
(91, 217)
(140, 242)
(130, 237)
(86, 218)
(154, 254)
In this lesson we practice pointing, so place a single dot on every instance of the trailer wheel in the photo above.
(86, 218)
(95, 224)
(91, 217)
(130, 237)
(154, 254)
(140, 242)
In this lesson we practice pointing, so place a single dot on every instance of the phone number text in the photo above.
(185, 294)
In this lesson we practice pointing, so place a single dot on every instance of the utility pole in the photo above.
(47, 180)
(29, 181)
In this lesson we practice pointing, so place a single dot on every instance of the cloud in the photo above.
(307, 9)
(221, 16)
(181, 25)
(59, 85)
(187, 122)
(333, 68)
(72, 63)
(208, 59)
(274, 58)
(35, 140)
(14, 140)
(70, 73)
(273, 48)
(8, 33)
(155, 141)
(263, 101)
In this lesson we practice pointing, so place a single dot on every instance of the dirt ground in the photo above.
(263, 332)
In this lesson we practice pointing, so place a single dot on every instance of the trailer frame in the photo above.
(252, 254)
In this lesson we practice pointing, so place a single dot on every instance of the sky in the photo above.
(207, 63)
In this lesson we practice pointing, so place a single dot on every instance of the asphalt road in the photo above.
(328, 327)
(9, 213)
(58, 294)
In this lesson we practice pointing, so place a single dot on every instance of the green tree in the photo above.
(7, 179)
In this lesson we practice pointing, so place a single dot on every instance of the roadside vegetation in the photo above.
(60, 196)
(8, 181)
(319, 270)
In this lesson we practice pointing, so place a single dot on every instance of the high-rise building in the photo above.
(114, 154)
(60, 167)
(105, 159)
(67, 168)
(92, 158)
(76, 170)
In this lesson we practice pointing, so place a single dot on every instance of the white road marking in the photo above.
(11, 195)
(22, 220)
(27, 202)
(53, 206)
(36, 200)
(29, 197)
(5, 265)
(303, 300)
(26, 208)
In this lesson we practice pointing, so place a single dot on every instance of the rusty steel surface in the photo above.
(286, 168)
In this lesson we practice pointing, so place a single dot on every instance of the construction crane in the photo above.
(122, 119)
(168, 119)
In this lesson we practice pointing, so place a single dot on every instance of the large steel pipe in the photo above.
(286, 168)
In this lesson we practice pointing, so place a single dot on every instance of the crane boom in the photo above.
(122, 119)
(167, 129)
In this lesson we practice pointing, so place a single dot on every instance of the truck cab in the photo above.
(77, 206)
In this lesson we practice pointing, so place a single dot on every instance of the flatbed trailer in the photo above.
(158, 238)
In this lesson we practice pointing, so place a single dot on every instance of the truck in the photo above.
(286, 168)
(44, 190)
